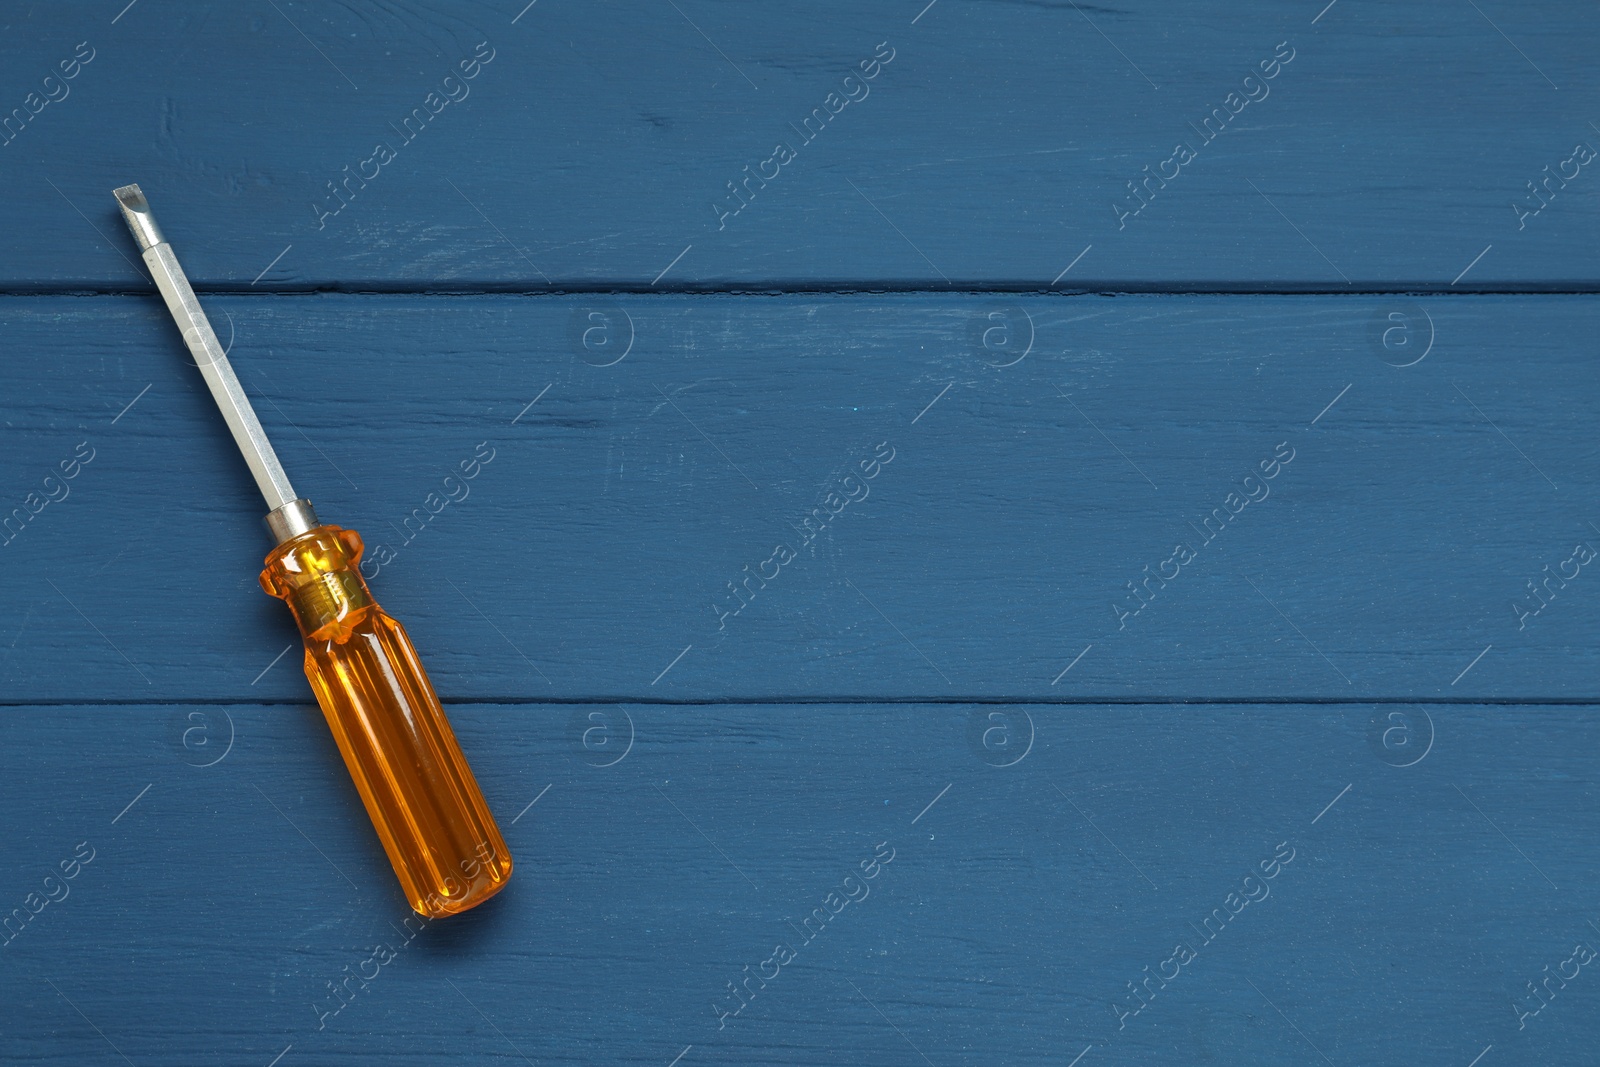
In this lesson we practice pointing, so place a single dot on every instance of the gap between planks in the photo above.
(931, 701)
(821, 289)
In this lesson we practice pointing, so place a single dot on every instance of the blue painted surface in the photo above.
(1015, 911)
(999, 541)
(786, 617)
(600, 140)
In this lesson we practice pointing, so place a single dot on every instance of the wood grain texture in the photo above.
(989, 613)
(601, 539)
(596, 146)
(1015, 909)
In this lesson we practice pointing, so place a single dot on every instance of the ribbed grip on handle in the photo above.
(402, 754)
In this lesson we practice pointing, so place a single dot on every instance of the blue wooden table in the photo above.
(996, 533)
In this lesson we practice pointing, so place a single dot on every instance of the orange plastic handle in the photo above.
(402, 754)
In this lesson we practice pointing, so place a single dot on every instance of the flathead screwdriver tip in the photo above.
(136, 210)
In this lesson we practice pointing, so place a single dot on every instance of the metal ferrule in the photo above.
(290, 521)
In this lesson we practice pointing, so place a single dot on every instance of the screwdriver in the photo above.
(423, 800)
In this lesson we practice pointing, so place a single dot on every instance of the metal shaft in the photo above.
(291, 514)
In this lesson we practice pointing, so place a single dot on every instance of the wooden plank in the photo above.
(597, 147)
(619, 503)
(1019, 904)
